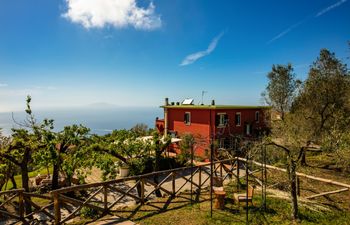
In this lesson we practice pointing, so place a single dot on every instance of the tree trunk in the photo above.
(13, 181)
(156, 168)
(56, 167)
(2, 183)
(25, 185)
(293, 188)
(303, 159)
(55, 174)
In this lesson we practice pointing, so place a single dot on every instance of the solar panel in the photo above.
(188, 101)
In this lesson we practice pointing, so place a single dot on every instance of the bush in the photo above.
(169, 163)
(138, 166)
(89, 213)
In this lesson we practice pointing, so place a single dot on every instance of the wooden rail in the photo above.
(64, 204)
(8, 197)
(327, 181)
(12, 206)
(105, 196)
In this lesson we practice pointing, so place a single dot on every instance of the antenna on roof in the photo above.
(203, 92)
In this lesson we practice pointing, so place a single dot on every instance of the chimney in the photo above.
(166, 101)
(213, 102)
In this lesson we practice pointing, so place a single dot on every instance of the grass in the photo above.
(181, 212)
(332, 209)
(18, 178)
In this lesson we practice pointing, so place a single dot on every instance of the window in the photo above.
(238, 119)
(257, 115)
(248, 129)
(221, 119)
(187, 118)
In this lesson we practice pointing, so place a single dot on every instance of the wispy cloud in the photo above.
(292, 27)
(114, 13)
(329, 8)
(195, 56)
(108, 36)
(3, 85)
(286, 31)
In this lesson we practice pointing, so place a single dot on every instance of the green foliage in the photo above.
(324, 98)
(138, 166)
(77, 157)
(105, 163)
(187, 146)
(141, 129)
(319, 113)
(89, 213)
(170, 163)
(282, 88)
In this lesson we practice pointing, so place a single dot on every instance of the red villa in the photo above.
(222, 122)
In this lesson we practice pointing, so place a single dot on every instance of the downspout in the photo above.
(166, 117)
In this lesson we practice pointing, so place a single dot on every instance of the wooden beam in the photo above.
(327, 193)
(300, 174)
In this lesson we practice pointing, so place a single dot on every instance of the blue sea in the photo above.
(99, 120)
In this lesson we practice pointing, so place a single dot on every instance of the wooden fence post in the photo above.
(56, 204)
(21, 204)
(142, 191)
(221, 165)
(173, 184)
(105, 199)
(200, 178)
(238, 181)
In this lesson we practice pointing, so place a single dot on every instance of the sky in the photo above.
(67, 53)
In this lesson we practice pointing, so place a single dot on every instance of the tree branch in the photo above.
(12, 159)
(279, 146)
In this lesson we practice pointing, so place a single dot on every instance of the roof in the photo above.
(215, 107)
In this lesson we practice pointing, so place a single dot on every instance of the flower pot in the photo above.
(123, 171)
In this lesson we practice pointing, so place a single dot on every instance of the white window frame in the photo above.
(240, 119)
(257, 116)
(189, 118)
(222, 121)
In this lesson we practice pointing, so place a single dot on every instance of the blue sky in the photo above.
(136, 52)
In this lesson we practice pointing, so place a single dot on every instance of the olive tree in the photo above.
(282, 88)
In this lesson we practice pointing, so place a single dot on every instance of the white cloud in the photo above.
(323, 11)
(3, 85)
(116, 13)
(195, 56)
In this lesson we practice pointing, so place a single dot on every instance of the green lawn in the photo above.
(181, 212)
(18, 178)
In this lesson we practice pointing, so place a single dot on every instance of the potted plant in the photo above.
(123, 170)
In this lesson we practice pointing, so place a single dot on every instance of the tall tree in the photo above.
(292, 137)
(324, 98)
(282, 88)
(72, 153)
(159, 146)
(21, 148)
(7, 169)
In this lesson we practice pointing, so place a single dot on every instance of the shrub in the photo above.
(138, 166)
(89, 213)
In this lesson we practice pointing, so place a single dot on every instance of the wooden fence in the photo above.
(62, 205)
(66, 203)
(13, 203)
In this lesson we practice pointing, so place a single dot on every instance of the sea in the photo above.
(100, 120)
